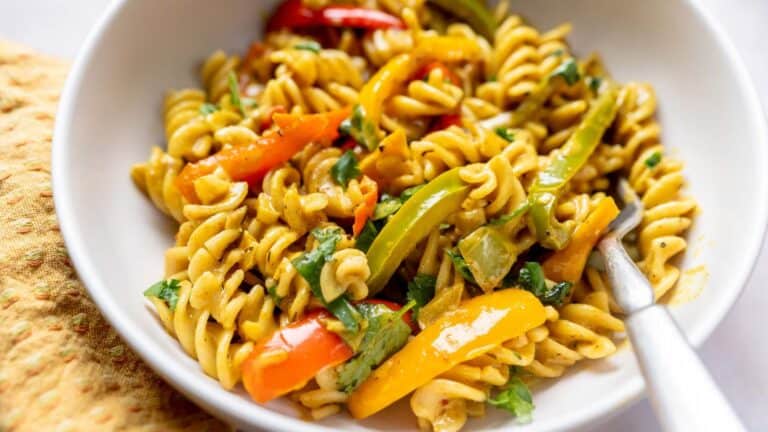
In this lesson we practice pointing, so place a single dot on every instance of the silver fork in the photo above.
(682, 393)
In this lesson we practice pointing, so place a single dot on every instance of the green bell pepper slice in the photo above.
(473, 12)
(489, 254)
(418, 216)
(550, 182)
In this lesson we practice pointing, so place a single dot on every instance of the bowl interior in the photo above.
(111, 117)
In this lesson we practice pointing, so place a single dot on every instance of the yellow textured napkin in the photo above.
(62, 367)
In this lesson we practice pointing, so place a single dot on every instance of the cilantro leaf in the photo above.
(505, 133)
(366, 236)
(361, 129)
(165, 290)
(345, 169)
(653, 160)
(515, 398)
(569, 71)
(309, 264)
(594, 83)
(272, 291)
(501, 220)
(234, 92)
(420, 290)
(385, 334)
(531, 278)
(308, 46)
(208, 108)
(461, 265)
(408, 193)
(387, 207)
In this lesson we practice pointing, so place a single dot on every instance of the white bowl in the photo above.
(110, 116)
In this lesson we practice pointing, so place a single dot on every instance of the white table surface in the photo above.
(736, 353)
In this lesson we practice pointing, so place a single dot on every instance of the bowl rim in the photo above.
(261, 416)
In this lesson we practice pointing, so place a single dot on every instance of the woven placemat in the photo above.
(62, 367)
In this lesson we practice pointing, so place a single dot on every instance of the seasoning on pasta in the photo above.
(370, 177)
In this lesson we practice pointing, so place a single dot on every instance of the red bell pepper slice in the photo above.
(293, 14)
(291, 357)
(251, 162)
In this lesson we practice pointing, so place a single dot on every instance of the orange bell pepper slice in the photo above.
(291, 357)
(475, 327)
(568, 263)
(365, 209)
(253, 161)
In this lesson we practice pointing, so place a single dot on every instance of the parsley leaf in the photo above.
(515, 398)
(569, 71)
(309, 264)
(460, 264)
(234, 92)
(385, 334)
(557, 53)
(501, 220)
(594, 83)
(165, 290)
(208, 108)
(308, 46)
(531, 278)
(420, 290)
(366, 236)
(505, 133)
(653, 160)
(345, 169)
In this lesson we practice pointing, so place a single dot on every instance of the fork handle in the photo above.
(682, 393)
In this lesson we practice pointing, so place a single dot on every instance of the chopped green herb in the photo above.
(345, 169)
(531, 278)
(234, 92)
(408, 193)
(501, 220)
(309, 264)
(420, 290)
(461, 265)
(515, 398)
(653, 160)
(443, 226)
(208, 108)
(385, 334)
(272, 291)
(594, 83)
(308, 46)
(165, 290)
(366, 236)
(387, 207)
(505, 133)
(557, 53)
(361, 129)
(569, 71)
(492, 78)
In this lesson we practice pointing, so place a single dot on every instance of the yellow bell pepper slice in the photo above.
(567, 264)
(475, 327)
(364, 124)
